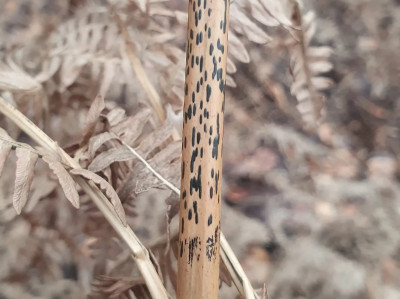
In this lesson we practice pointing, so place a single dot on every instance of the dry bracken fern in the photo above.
(307, 62)
(99, 52)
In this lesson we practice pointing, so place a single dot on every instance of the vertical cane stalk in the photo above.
(200, 202)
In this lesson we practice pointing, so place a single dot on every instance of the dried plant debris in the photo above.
(310, 167)
(66, 182)
(108, 189)
(307, 63)
(26, 160)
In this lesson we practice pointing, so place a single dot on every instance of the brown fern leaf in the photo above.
(307, 63)
(133, 177)
(65, 180)
(98, 140)
(106, 158)
(155, 140)
(130, 128)
(89, 39)
(105, 186)
(140, 179)
(26, 160)
(241, 23)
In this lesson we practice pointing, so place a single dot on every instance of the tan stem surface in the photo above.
(200, 201)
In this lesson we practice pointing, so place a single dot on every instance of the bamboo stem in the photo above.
(227, 255)
(200, 202)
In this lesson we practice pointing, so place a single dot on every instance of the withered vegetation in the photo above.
(91, 97)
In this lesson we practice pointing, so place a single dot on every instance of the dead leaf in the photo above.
(115, 116)
(261, 14)
(97, 141)
(250, 29)
(155, 139)
(131, 128)
(237, 49)
(26, 160)
(65, 180)
(92, 117)
(105, 186)
(106, 158)
(70, 69)
(306, 65)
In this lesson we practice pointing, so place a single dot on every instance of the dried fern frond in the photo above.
(108, 189)
(307, 63)
(159, 167)
(241, 23)
(139, 252)
(269, 12)
(65, 180)
(26, 161)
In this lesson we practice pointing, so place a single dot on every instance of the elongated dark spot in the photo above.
(208, 92)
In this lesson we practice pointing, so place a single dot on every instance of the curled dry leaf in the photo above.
(66, 182)
(106, 158)
(97, 141)
(26, 160)
(105, 186)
